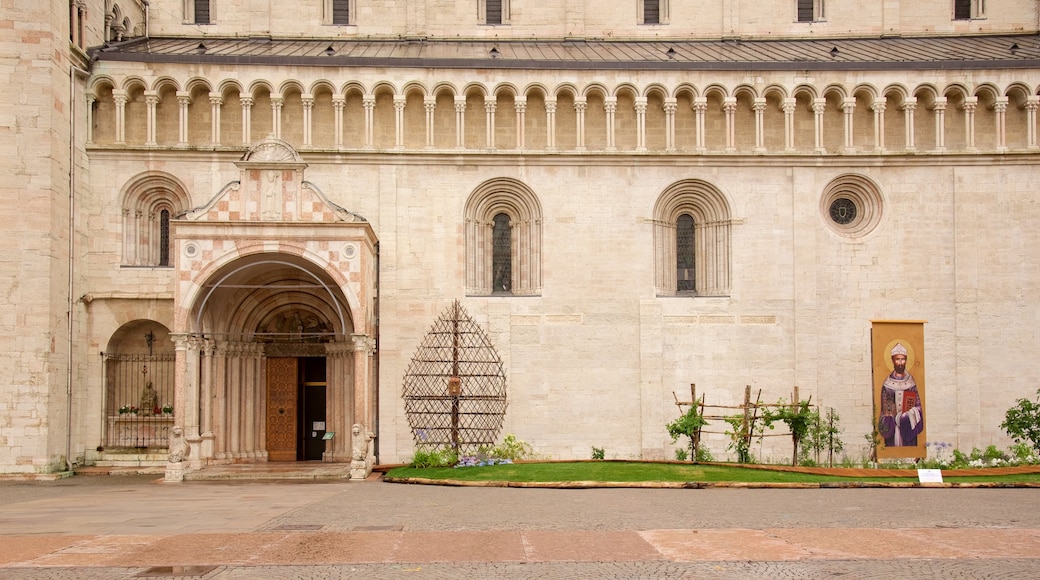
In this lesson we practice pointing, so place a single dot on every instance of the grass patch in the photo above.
(666, 472)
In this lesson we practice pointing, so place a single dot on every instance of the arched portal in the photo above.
(276, 368)
(274, 320)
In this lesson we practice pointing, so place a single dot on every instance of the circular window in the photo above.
(851, 206)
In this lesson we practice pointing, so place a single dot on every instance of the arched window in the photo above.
(503, 240)
(150, 202)
(692, 240)
(501, 256)
(685, 260)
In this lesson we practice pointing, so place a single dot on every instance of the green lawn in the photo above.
(616, 471)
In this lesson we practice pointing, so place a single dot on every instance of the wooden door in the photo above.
(282, 385)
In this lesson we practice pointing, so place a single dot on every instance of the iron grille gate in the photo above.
(138, 399)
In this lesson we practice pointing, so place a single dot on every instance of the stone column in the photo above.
(186, 392)
(206, 350)
(1000, 106)
(520, 106)
(940, 124)
(970, 104)
(640, 123)
(729, 106)
(338, 103)
(878, 107)
(909, 106)
(119, 98)
(789, 106)
(430, 105)
(610, 106)
(216, 100)
(819, 107)
(580, 105)
(369, 103)
(550, 123)
(340, 389)
(848, 106)
(399, 103)
(1032, 103)
(276, 115)
(364, 413)
(247, 116)
(700, 107)
(91, 99)
(219, 406)
(308, 109)
(151, 100)
(183, 100)
(460, 122)
(490, 106)
(759, 107)
(671, 104)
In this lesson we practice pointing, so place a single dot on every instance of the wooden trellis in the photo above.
(749, 411)
(455, 386)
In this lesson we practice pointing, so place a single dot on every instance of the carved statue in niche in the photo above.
(148, 405)
(271, 202)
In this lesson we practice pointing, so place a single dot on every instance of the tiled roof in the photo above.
(947, 52)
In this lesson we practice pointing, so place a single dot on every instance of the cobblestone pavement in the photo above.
(137, 527)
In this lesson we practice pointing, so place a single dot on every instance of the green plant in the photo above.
(704, 455)
(598, 453)
(740, 437)
(424, 458)
(1022, 422)
(512, 448)
(797, 416)
(689, 424)
(681, 454)
(824, 435)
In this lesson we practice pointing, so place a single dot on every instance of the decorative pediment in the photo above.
(271, 188)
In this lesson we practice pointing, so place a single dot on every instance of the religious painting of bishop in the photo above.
(898, 361)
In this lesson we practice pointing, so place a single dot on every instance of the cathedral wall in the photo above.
(952, 248)
(587, 18)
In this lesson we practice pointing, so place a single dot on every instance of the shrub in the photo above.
(598, 453)
(512, 448)
(1022, 422)
(688, 425)
(424, 458)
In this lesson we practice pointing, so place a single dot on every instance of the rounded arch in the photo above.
(166, 82)
(685, 88)
(987, 91)
(565, 89)
(198, 83)
(655, 88)
(353, 87)
(595, 89)
(626, 89)
(505, 87)
(415, 87)
(384, 87)
(742, 90)
(809, 91)
(480, 89)
(897, 91)
(291, 86)
(534, 88)
(259, 268)
(260, 85)
(705, 270)
(775, 89)
(518, 259)
(865, 90)
(133, 82)
(229, 85)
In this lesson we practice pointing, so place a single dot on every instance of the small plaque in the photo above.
(328, 435)
(319, 426)
(929, 475)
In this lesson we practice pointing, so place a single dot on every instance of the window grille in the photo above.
(341, 11)
(685, 277)
(139, 399)
(651, 12)
(202, 12)
(494, 12)
(501, 256)
(164, 237)
(961, 9)
(805, 11)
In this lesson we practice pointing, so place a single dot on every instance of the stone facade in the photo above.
(394, 175)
